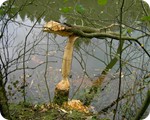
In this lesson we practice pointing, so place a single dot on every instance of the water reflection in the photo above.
(89, 60)
(36, 54)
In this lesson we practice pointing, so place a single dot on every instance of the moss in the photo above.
(61, 96)
(75, 115)
(46, 112)
(19, 112)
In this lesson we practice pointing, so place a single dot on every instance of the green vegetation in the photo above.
(46, 112)
(110, 72)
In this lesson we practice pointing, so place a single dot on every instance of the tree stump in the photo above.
(62, 92)
(62, 88)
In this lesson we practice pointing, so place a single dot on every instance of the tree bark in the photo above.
(4, 108)
(144, 107)
(98, 82)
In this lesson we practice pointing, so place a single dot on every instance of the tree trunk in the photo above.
(144, 107)
(62, 88)
(3, 100)
(97, 84)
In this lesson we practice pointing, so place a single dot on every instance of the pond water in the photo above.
(89, 59)
(55, 46)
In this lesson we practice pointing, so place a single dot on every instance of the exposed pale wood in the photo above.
(76, 105)
(62, 88)
(72, 31)
(57, 28)
(67, 58)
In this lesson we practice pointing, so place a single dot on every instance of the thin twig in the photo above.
(120, 60)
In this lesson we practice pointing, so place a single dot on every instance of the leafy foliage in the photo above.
(80, 8)
(145, 18)
(65, 9)
(102, 2)
(92, 17)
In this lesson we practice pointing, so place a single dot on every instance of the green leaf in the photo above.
(102, 2)
(1, 12)
(65, 9)
(65, 0)
(129, 30)
(145, 18)
(79, 8)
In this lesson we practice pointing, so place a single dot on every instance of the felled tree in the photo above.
(62, 88)
(72, 31)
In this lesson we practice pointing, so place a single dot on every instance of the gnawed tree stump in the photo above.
(72, 31)
(62, 88)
